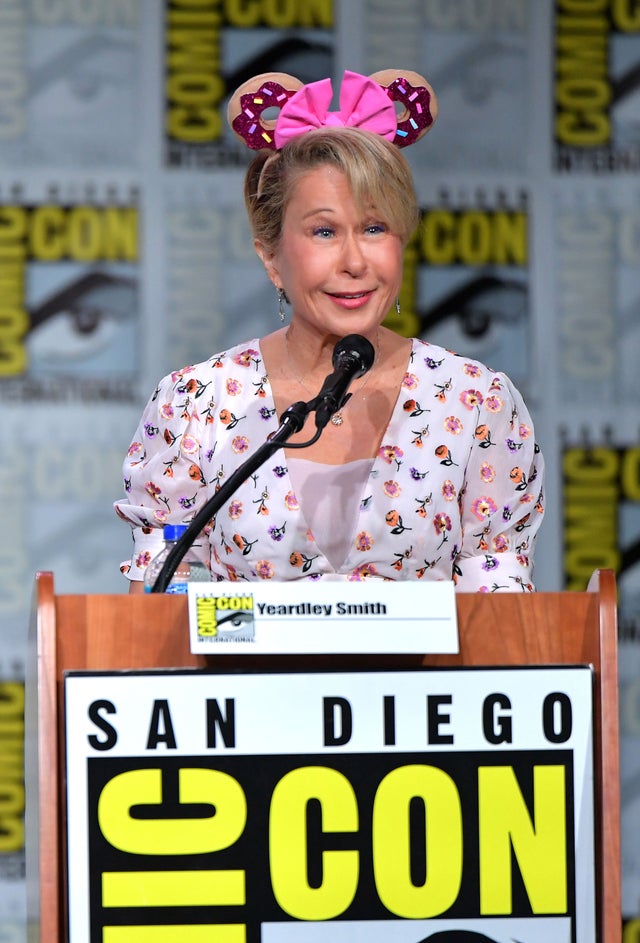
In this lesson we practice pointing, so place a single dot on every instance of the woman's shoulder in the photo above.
(435, 359)
(239, 358)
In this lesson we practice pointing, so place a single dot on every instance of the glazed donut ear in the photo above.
(249, 102)
(418, 98)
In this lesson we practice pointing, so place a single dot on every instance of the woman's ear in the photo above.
(267, 257)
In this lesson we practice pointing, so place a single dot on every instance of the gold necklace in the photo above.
(337, 418)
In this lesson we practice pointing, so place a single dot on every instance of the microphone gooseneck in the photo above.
(352, 357)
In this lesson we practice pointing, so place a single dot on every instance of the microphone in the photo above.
(352, 357)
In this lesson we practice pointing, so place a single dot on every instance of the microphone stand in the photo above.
(291, 421)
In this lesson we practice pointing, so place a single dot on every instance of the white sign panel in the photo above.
(376, 805)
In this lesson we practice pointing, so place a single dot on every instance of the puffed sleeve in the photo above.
(502, 503)
(163, 471)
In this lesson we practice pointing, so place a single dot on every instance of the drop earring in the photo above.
(282, 297)
(398, 307)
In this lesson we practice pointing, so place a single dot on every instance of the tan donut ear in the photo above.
(418, 97)
(251, 99)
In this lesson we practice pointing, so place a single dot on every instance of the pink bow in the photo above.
(363, 104)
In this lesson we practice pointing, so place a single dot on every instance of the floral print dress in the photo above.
(454, 492)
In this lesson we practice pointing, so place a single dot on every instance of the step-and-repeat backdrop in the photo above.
(124, 253)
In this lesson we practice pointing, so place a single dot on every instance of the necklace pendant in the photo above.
(337, 419)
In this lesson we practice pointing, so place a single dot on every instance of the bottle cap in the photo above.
(173, 531)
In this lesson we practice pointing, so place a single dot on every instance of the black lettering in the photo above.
(497, 728)
(161, 727)
(111, 734)
(225, 723)
(557, 717)
(334, 707)
(389, 720)
(435, 718)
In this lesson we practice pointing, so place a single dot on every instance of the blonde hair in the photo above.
(377, 173)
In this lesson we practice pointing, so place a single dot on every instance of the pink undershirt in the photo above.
(329, 497)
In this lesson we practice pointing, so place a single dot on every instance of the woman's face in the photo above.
(340, 268)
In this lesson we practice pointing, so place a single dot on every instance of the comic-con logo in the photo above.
(596, 85)
(466, 280)
(69, 300)
(225, 618)
(604, 535)
(212, 48)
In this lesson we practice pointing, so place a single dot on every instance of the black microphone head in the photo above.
(354, 350)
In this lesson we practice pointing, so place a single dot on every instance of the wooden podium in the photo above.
(102, 632)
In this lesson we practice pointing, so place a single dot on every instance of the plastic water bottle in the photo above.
(189, 570)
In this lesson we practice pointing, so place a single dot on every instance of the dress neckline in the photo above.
(392, 415)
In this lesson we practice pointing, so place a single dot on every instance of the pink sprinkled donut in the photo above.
(252, 99)
(419, 101)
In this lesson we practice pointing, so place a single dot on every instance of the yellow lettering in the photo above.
(120, 233)
(191, 47)
(288, 847)
(279, 14)
(474, 237)
(540, 846)
(162, 836)
(510, 239)
(626, 15)
(85, 236)
(630, 474)
(437, 237)
(583, 6)
(583, 91)
(578, 94)
(392, 841)
(14, 320)
(309, 13)
(47, 232)
(206, 616)
(14, 323)
(11, 833)
(194, 85)
(242, 13)
(191, 88)
(631, 932)
(590, 514)
(189, 933)
(590, 465)
(12, 792)
(84, 233)
(11, 799)
(194, 125)
(583, 129)
(13, 224)
(183, 888)
(11, 698)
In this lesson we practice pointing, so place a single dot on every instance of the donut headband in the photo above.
(365, 102)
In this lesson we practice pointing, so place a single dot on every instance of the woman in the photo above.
(429, 471)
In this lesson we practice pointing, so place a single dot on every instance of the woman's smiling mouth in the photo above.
(350, 299)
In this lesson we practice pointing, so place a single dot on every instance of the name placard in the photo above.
(301, 617)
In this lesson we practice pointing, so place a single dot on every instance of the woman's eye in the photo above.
(323, 231)
(376, 227)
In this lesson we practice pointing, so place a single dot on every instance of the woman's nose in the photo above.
(353, 257)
